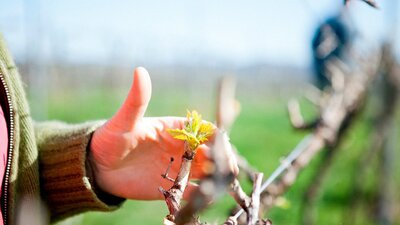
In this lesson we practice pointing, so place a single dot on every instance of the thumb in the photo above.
(135, 105)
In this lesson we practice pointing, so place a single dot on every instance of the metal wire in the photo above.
(286, 163)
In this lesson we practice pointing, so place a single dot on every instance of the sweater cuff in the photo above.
(67, 179)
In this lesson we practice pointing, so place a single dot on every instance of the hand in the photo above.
(129, 153)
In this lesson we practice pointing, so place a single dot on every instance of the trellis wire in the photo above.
(286, 163)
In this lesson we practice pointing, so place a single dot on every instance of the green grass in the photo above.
(262, 134)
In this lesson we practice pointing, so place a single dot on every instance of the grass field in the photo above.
(262, 134)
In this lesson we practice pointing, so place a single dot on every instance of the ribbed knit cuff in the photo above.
(68, 184)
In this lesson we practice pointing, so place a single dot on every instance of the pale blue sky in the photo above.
(176, 31)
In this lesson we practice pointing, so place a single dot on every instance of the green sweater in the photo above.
(46, 162)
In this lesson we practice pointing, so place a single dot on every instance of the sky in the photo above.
(177, 31)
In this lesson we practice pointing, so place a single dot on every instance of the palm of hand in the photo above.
(130, 164)
(130, 152)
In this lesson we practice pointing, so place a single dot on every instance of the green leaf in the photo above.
(195, 132)
(178, 134)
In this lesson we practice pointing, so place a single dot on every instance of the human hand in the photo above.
(129, 153)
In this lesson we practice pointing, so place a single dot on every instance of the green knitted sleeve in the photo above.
(68, 186)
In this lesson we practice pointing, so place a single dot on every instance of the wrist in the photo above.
(91, 172)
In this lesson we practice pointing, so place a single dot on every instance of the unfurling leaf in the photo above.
(178, 134)
(195, 132)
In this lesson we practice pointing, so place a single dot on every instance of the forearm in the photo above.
(68, 185)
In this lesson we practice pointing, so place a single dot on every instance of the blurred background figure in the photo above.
(332, 39)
